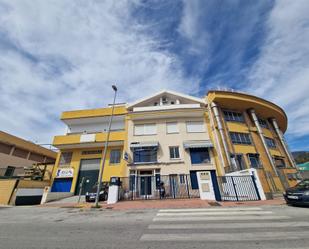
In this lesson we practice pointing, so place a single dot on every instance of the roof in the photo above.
(303, 166)
(188, 97)
(24, 144)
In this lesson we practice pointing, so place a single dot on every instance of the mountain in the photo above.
(301, 156)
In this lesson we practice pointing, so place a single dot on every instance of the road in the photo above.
(242, 228)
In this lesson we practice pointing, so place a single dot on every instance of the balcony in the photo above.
(71, 141)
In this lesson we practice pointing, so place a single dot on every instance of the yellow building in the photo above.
(81, 148)
(247, 132)
(171, 136)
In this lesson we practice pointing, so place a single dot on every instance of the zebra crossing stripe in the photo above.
(216, 218)
(208, 209)
(216, 213)
(182, 226)
(257, 236)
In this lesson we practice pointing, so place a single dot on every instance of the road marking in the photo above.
(208, 209)
(229, 225)
(215, 213)
(245, 217)
(257, 236)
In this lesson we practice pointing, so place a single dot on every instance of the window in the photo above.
(145, 155)
(254, 160)
(9, 171)
(279, 162)
(145, 129)
(193, 126)
(233, 116)
(172, 127)
(91, 152)
(263, 123)
(174, 152)
(65, 158)
(270, 142)
(199, 155)
(115, 156)
(240, 138)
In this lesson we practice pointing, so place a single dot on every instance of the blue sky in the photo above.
(64, 55)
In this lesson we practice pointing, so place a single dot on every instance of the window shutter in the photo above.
(172, 127)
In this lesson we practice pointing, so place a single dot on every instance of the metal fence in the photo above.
(238, 188)
(150, 187)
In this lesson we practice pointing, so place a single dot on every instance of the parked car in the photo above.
(299, 194)
(103, 194)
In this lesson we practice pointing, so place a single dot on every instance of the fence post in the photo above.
(255, 187)
(187, 186)
(234, 188)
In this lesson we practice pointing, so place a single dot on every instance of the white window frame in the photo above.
(169, 151)
(145, 129)
(175, 131)
(203, 129)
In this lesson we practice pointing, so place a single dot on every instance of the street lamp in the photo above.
(105, 150)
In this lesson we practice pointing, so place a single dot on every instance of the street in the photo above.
(240, 227)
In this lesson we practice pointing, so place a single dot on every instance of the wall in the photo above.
(6, 190)
(109, 170)
(8, 160)
(167, 165)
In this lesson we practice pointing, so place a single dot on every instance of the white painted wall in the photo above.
(96, 127)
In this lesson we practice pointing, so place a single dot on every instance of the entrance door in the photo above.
(89, 171)
(146, 186)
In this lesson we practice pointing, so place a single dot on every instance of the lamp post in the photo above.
(105, 150)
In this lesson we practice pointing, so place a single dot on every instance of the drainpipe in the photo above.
(260, 132)
(212, 124)
(282, 140)
(214, 107)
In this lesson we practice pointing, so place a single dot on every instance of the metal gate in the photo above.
(148, 187)
(238, 188)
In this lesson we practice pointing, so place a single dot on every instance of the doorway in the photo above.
(146, 184)
(88, 175)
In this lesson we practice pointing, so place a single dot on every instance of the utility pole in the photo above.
(105, 150)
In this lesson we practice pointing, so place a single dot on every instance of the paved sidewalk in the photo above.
(167, 203)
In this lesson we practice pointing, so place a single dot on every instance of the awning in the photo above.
(144, 144)
(198, 144)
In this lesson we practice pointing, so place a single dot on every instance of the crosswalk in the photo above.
(224, 224)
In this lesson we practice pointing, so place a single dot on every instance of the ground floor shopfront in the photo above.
(77, 170)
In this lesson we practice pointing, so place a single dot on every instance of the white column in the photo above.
(282, 140)
(221, 131)
(260, 132)
(215, 134)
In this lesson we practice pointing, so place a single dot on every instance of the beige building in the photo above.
(167, 139)
(17, 153)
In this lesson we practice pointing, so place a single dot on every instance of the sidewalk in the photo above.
(167, 203)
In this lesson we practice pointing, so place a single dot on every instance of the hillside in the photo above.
(301, 156)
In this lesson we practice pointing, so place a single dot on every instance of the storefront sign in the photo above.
(66, 172)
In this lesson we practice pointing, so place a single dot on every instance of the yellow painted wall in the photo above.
(110, 170)
(6, 189)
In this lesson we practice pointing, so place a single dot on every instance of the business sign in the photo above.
(65, 172)
(126, 156)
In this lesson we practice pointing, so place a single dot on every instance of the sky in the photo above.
(58, 55)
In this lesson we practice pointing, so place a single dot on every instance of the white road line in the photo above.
(209, 218)
(258, 236)
(228, 225)
(208, 209)
(215, 213)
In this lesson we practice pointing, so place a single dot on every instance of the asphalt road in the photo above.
(242, 228)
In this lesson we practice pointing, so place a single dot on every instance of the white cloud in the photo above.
(62, 55)
(281, 74)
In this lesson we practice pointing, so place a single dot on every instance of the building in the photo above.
(17, 154)
(248, 133)
(167, 141)
(169, 137)
(80, 149)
